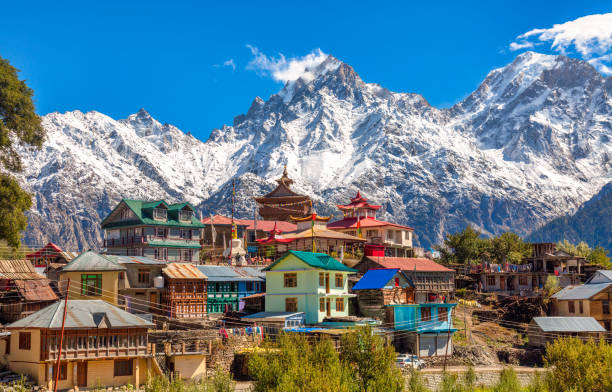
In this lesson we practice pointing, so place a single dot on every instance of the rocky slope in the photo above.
(532, 143)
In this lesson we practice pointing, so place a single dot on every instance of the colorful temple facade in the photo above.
(283, 203)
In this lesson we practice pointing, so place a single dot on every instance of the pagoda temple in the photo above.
(282, 203)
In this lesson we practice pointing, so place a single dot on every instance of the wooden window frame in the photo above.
(123, 367)
(321, 304)
(605, 307)
(581, 306)
(339, 278)
(25, 340)
(321, 279)
(340, 301)
(425, 314)
(442, 314)
(144, 276)
(291, 304)
(86, 289)
(522, 281)
(290, 279)
(491, 278)
(63, 375)
(571, 307)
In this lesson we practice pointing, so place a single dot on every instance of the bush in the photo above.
(461, 293)
(508, 382)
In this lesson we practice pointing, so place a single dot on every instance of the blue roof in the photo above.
(375, 279)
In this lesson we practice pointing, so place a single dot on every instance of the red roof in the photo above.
(409, 264)
(351, 223)
(358, 202)
(249, 224)
(48, 250)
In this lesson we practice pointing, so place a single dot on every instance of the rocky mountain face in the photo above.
(532, 143)
(591, 223)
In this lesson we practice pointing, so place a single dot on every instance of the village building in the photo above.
(273, 322)
(529, 277)
(185, 293)
(92, 276)
(283, 203)
(50, 255)
(430, 281)
(544, 330)
(360, 220)
(380, 287)
(591, 299)
(155, 229)
(424, 329)
(22, 290)
(313, 283)
(103, 346)
(218, 230)
(142, 284)
(228, 285)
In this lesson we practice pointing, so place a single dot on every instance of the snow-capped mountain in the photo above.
(533, 142)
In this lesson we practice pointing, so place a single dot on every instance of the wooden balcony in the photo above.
(89, 353)
(125, 241)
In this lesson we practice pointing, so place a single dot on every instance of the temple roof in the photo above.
(283, 189)
(311, 217)
(358, 202)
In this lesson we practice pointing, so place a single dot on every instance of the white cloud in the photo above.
(590, 36)
(230, 63)
(284, 69)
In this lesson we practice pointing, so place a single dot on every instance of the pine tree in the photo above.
(18, 122)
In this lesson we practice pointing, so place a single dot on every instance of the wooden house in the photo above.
(380, 287)
(431, 281)
(50, 254)
(155, 229)
(103, 346)
(283, 203)
(228, 285)
(92, 276)
(591, 299)
(185, 293)
(22, 290)
(543, 330)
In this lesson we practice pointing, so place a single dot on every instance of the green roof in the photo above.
(174, 244)
(92, 261)
(143, 210)
(315, 260)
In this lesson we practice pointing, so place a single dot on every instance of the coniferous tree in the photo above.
(18, 123)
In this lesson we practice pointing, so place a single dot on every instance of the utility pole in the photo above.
(59, 357)
(450, 318)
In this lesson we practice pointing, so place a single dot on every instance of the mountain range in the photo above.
(532, 143)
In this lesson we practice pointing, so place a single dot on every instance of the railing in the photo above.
(123, 241)
(103, 352)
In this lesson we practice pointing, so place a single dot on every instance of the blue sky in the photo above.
(116, 57)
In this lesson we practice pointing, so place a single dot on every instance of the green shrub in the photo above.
(508, 382)
(461, 293)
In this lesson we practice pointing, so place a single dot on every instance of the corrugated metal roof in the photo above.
(36, 290)
(221, 273)
(583, 291)
(18, 269)
(410, 264)
(601, 276)
(272, 315)
(81, 314)
(315, 260)
(568, 324)
(183, 271)
(92, 261)
(375, 279)
(135, 260)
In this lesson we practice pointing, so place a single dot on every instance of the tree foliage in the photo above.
(509, 247)
(18, 123)
(597, 255)
(465, 247)
(365, 363)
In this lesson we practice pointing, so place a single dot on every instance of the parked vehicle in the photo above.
(409, 360)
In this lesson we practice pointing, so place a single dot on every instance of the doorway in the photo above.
(82, 374)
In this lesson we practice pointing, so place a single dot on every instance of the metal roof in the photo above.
(273, 315)
(92, 261)
(583, 291)
(81, 314)
(183, 271)
(601, 276)
(568, 324)
(222, 273)
(18, 269)
(409, 264)
(135, 260)
(375, 279)
(36, 290)
(315, 260)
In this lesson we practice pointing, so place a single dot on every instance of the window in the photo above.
(161, 253)
(290, 280)
(186, 234)
(63, 371)
(339, 280)
(425, 314)
(581, 306)
(160, 214)
(8, 345)
(143, 276)
(606, 326)
(321, 304)
(91, 284)
(25, 340)
(186, 254)
(185, 215)
(605, 307)
(442, 314)
(571, 307)
(291, 305)
(123, 367)
(491, 281)
(250, 286)
(339, 304)
(522, 281)
(160, 232)
(321, 279)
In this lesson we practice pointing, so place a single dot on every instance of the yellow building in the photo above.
(103, 346)
(92, 276)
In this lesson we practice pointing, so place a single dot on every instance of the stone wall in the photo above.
(486, 376)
